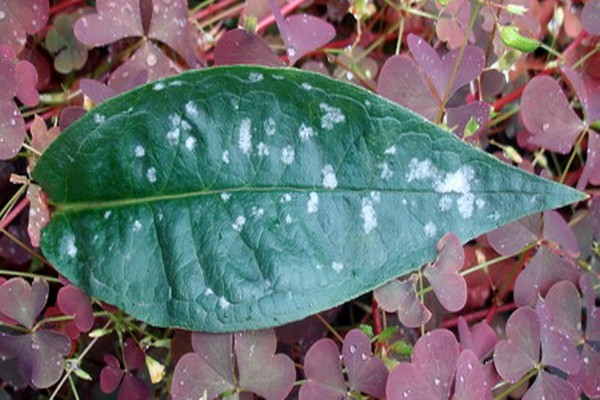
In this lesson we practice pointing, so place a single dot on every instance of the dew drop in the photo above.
(545, 126)
(437, 382)
(2, 15)
(363, 356)
(151, 60)
(352, 349)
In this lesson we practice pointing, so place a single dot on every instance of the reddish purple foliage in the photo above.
(401, 296)
(20, 18)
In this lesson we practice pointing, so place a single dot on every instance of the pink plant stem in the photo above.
(285, 10)
(14, 213)
(44, 116)
(476, 316)
(212, 9)
(574, 44)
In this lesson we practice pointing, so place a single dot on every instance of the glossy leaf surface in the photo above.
(247, 197)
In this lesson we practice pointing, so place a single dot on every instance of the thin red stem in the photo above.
(285, 10)
(574, 44)
(14, 213)
(210, 10)
(64, 5)
(476, 316)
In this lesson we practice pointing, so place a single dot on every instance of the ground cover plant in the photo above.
(122, 180)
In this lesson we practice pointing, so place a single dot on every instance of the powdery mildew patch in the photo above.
(269, 126)
(337, 266)
(430, 229)
(332, 116)
(239, 223)
(312, 206)
(151, 174)
(329, 178)
(368, 215)
(287, 155)
(305, 132)
(245, 138)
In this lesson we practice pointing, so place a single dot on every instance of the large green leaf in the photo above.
(245, 197)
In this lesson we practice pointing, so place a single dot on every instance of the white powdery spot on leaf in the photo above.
(137, 226)
(386, 171)
(263, 149)
(306, 86)
(456, 182)
(269, 126)
(376, 196)
(257, 212)
(445, 203)
(190, 143)
(151, 174)
(430, 229)
(225, 197)
(225, 157)
(255, 77)
(337, 266)
(390, 150)
(305, 132)
(191, 109)
(186, 126)
(480, 203)
(465, 205)
(286, 198)
(208, 292)
(158, 86)
(223, 303)
(70, 247)
(329, 178)
(368, 215)
(99, 118)
(139, 151)
(288, 219)
(418, 170)
(176, 83)
(312, 206)
(107, 214)
(287, 155)
(332, 116)
(245, 139)
(173, 136)
(239, 223)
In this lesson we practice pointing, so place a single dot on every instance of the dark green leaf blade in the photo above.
(247, 197)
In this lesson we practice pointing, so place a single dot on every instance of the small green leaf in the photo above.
(246, 197)
(401, 348)
(387, 334)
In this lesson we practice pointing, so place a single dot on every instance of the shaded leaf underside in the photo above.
(246, 197)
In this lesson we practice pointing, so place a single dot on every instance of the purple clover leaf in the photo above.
(72, 301)
(238, 46)
(37, 355)
(435, 364)
(480, 338)
(453, 22)
(19, 18)
(212, 368)
(16, 80)
(301, 33)
(112, 376)
(520, 353)
(590, 17)
(113, 21)
(458, 118)
(546, 113)
(23, 302)
(401, 296)
(323, 370)
(448, 285)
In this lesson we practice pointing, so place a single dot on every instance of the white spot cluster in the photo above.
(225, 196)
(288, 219)
(305, 132)
(139, 151)
(418, 170)
(255, 77)
(158, 86)
(191, 109)
(286, 198)
(430, 229)
(287, 155)
(269, 126)
(257, 212)
(390, 150)
(190, 143)
(225, 157)
(99, 118)
(70, 246)
(245, 138)
(329, 178)
(263, 149)
(459, 182)
(173, 133)
(337, 266)
(306, 86)
(137, 226)
(386, 171)
(368, 215)
(332, 116)
(445, 203)
(223, 303)
(107, 214)
(312, 206)
(151, 174)
(239, 223)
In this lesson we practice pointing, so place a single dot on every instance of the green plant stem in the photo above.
(73, 388)
(517, 384)
(583, 59)
(572, 156)
(49, 320)
(330, 328)
(75, 365)
(21, 274)
(5, 221)
(503, 117)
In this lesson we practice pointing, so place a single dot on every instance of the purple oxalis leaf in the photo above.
(448, 285)
(557, 232)
(111, 374)
(113, 377)
(366, 374)
(439, 69)
(38, 355)
(547, 115)
(591, 171)
(480, 338)
(26, 80)
(147, 58)
(431, 372)
(113, 21)
(323, 372)
(511, 238)
(169, 25)
(401, 81)
(261, 371)
(587, 89)
(401, 296)
(22, 302)
(520, 353)
(471, 381)
(453, 22)
(590, 17)
(457, 118)
(238, 46)
(544, 270)
(20, 18)
(560, 311)
(550, 387)
(72, 301)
